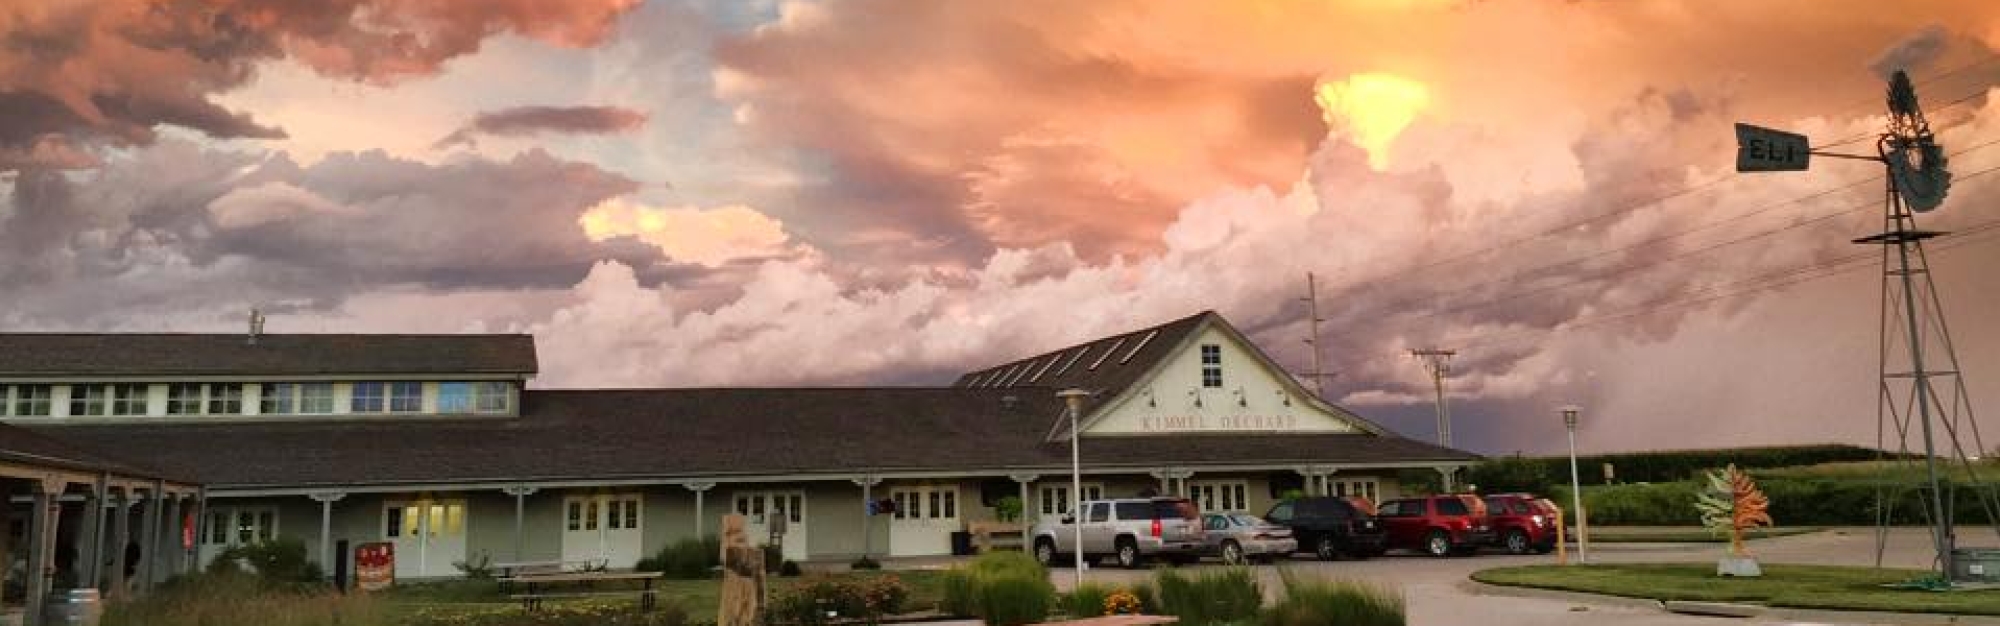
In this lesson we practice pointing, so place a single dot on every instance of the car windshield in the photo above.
(1169, 509)
(1247, 520)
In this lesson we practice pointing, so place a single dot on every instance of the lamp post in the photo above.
(1576, 486)
(1074, 398)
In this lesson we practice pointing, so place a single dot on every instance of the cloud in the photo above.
(532, 120)
(83, 75)
(1372, 108)
(709, 237)
(1914, 52)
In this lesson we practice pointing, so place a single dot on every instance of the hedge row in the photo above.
(1794, 502)
(1538, 474)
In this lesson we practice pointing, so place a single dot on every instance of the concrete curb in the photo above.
(1785, 613)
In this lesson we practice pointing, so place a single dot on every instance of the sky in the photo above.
(888, 192)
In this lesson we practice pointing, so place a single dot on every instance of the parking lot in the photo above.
(1438, 591)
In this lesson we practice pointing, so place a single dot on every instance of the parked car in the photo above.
(1330, 527)
(1128, 530)
(1436, 525)
(1239, 538)
(1522, 523)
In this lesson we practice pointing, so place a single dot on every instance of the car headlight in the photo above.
(1539, 521)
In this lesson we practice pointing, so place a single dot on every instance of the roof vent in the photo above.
(256, 326)
(1009, 402)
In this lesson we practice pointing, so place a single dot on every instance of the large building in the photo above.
(435, 443)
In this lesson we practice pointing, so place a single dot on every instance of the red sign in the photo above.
(375, 566)
(187, 531)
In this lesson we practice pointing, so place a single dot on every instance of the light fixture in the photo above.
(1150, 402)
(1196, 393)
(1241, 400)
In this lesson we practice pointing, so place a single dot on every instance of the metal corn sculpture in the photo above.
(1732, 502)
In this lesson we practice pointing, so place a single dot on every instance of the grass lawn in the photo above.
(699, 597)
(1684, 534)
(1798, 586)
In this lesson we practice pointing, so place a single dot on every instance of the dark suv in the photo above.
(1437, 525)
(1522, 523)
(1329, 527)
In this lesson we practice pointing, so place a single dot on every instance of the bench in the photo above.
(537, 586)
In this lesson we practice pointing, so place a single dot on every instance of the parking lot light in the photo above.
(1074, 399)
(1576, 484)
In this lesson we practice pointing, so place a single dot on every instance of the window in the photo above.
(1132, 511)
(5, 401)
(1363, 488)
(184, 398)
(225, 398)
(367, 397)
(218, 528)
(247, 526)
(32, 400)
(590, 516)
(1100, 512)
(1281, 513)
(1055, 497)
(632, 514)
(316, 398)
(493, 397)
(454, 397)
(406, 397)
(128, 399)
(87, 399)
(393, 527)
(278, 399)
(1211, 366)
(576, 515)
(1451, 506)
(1221, 497)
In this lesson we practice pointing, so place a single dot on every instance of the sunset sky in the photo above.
(889, 192)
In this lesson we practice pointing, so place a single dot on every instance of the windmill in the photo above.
(1921, 392)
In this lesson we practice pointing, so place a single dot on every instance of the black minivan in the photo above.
(1329, 527)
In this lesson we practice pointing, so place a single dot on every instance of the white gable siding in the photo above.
(1262, 405)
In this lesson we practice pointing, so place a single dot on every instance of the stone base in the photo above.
(1738, 566)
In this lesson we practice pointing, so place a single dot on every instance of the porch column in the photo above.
(90, 536)
(520, 493)
(44, 516)
(1183, 477)
(149, 535)
(700, 518)
(867, 483)
(121, 534)
(1446, 472)
(1024, 480)
(326, 555)
(169, 541)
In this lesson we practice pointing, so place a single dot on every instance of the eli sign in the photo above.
(1760, 149)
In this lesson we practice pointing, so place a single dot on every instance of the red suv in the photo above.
(1522, 522)
(1436, 525)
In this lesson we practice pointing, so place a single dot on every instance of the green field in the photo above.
(1797, 586)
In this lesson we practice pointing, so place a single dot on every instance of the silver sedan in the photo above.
(1239, 538)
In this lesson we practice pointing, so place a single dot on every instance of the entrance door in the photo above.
(924, 520)
(429, 536)
(764, 509)
(602, 528)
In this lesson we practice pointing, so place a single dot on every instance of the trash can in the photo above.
(961, 543)
(73, 607)
(1975, 565)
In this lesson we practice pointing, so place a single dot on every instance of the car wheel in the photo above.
(1045, 552)
(1128, 554)
(1232, 553)
(1326, 549)
(1437, 544)
(1517, 542)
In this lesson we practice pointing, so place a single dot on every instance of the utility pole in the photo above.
(1438, 361)
(1318, 374)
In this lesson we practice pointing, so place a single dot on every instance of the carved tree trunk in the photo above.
(742, 576)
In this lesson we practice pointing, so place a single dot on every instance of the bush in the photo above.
(276, 562)
(687, 559)
(232, 596)
(1002, 588)
(820, 599)
(476, 569)
(1542, 474)
(1227, 596)
(1812, 501)
(667, 613)
(864, 564)
(1317, 603)
(1008, 509)
(789, 569)
(1086, 600)
(774, 558)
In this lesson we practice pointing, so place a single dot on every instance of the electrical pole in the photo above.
(1438, 361)
(1313, 319)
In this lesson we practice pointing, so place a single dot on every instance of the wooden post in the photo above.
(742, 576)
(1562, 544)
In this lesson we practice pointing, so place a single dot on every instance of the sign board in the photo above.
(1760, 149)
(187, 531)
(374, 566)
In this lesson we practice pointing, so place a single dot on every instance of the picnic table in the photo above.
(537, 587)
(531, 568)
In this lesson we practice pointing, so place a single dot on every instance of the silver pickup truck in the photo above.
(1128, 530)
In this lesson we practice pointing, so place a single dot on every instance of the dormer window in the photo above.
(368, 397)
(184, 399)
(296, 398)
(406, 397)
(25, 401)
(493, 397)
(1211, 366)
(479, 397)
(225, 398)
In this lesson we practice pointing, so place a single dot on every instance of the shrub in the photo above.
(820, 599)
(1808, 501)
(1008, 509)
(237, 597)
(1086, 600)
(1123, 602)
(865, 564)
(1219, 597)
(276, 562)
(774, 558)
(480, 569)
(1317, 603)
(667, 613)
(1002, 588)
(789, 569)
(686, 559)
